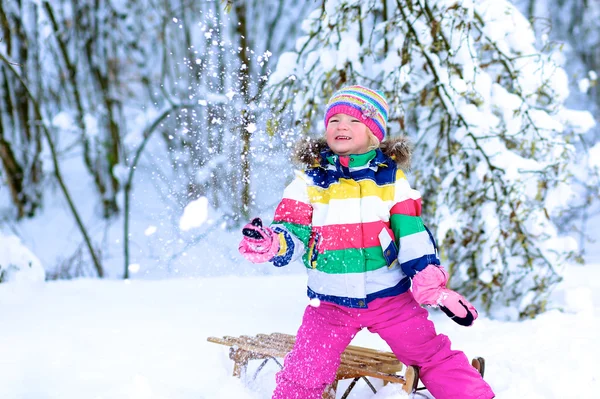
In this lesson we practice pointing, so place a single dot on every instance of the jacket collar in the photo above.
(372, 159)
(313, 153)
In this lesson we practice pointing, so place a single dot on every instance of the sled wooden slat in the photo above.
(356, 361)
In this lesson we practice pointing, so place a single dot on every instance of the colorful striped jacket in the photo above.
(357, 227)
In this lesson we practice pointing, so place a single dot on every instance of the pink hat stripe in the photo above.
(343, 108)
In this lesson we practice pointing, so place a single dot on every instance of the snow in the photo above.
(17, 262)
(349, 50)
(594, 155)
(194, 214)
(134, 268)
(251, 128)
(285, 67)
(147, 339)
(230, 94)
(63, 121)
(579, 121)
(150, 230)
(584, 85)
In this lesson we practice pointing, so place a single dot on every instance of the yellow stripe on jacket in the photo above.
(349, 189)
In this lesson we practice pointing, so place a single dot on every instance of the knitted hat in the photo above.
(365, 104)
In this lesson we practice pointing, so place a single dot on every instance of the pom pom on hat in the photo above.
(369, 106)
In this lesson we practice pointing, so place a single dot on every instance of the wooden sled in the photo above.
(357, 362)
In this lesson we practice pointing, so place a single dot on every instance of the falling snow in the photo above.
(194, 215)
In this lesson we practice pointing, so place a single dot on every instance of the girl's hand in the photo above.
(260, 244)
(429, 288)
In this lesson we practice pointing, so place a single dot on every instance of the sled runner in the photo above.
(357, 362)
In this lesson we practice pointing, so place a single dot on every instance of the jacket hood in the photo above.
(308, 151)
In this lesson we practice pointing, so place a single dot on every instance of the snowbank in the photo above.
(17, 262)
(147, 339)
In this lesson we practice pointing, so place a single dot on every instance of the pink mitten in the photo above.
(429, 288)
(260, 244)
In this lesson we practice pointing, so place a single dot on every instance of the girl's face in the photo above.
(347, 135)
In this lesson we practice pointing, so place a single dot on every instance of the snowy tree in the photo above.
(577, 23)
(574, 25)
(485, 109)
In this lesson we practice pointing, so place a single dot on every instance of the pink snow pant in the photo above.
(328, 329)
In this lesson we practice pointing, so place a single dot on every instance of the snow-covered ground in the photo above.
(141, 339)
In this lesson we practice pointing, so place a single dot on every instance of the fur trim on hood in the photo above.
(308, 151)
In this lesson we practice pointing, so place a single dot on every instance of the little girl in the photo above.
(355, 221)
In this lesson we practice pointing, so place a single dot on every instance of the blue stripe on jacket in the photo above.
(284, 259)
(400, 288)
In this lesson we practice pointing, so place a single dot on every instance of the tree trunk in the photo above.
(14, 174)
(244, 72)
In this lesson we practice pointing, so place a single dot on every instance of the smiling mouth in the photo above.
(342, 138)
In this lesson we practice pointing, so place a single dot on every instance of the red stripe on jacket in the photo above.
(354, 235)
(293, 211)
(408, 207)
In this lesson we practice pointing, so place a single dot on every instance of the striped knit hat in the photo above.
(362, 103)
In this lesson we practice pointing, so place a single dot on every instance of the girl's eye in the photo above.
(355, 120)
(333, 120)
